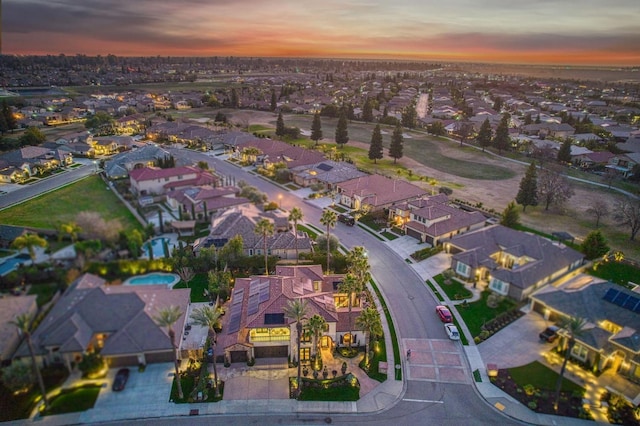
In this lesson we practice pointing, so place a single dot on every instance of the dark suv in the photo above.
(550, 334)
(346, 219)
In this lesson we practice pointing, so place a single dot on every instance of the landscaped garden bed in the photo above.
(340, 388)
(534, 386)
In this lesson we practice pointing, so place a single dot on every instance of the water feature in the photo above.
(154, 278)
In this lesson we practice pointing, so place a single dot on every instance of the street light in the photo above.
(280, 200)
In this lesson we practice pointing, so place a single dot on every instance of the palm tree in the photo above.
(358, 264)
(350, 285)
(166, 318)
(369, 321)
(265, 228)
(71, 229)
(328, 219)
(316, 326)
(295, 216)
(30, 242)
(23, 323)
(297, 311)
(574, 326)
(209, 316)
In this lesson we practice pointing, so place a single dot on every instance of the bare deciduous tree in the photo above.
(627, 213)
(95, 227)
(553, 188)
(599, 209)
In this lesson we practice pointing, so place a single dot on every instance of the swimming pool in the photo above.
(12, 263)
(160, 247)
(154, 278)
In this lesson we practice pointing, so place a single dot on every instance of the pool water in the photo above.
(155, 278)
(158, 247)
(12, 263)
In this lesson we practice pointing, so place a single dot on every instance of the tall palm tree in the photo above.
(358, 264)
(209, 316)
(351, 286)
(297, 311)
(328, 219)
(574, 326)
(369, 321)
(265, 228)
(166, 318)
(23, 323)
(295, 216)
(316, 325)
(30, 242)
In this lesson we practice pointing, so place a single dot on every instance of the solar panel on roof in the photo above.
(610, 294)
(630, 303)
(264, 292)
(325, 167)
(620, 299)
(254, 301)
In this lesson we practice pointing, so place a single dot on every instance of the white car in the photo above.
(452, 331)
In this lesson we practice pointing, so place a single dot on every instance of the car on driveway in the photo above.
(120, 380)
(549, 334)
(444, 313)
(452, 331)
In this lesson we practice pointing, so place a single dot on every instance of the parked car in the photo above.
(452, 331)
(121, 379)
(444, 313)
(346, 219)
(549, 334)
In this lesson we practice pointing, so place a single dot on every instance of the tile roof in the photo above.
(378, 190)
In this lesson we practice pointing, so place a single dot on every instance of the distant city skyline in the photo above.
(571, 32)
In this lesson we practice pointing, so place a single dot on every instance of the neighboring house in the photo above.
(593, 159)
(272, 152)
(514, 263)
(611, 337)
(35, 159)
(8, 233)
(10, 308)
(327, 172)
(120, 165)
(255, 325)
(203, 199)
(432, 219)
(377, 192)
(116, 320)
(157, 181)
(623, 164)
(242, 221)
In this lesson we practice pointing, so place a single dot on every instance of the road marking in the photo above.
(423, 400)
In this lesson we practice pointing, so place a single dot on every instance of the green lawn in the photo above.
(541, 377)
(197, 285)
(312, 234)
(338, 393)
(478, 313)
(44, 292)
(73, 400)
(62, 205)
(619, 273)
(455, 290)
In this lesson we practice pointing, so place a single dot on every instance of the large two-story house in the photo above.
(376, 192)
(157, 181)
(432, 219)
(255, 325)
(514, 263)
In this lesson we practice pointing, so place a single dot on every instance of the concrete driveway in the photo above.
(250, 383)
(517, 344)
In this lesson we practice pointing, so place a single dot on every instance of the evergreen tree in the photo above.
(501, 140)
(397, 142)
(280, 129)
(528, 193)
(316, 128)
(375, 148)
(594, 245)
(12, 123)
(342, 133)
(409, 116)
(564, 153)
(235, 102)
(538, 121)
(510, 216)
(528, 120)
(32, 136)
(484, 135)
(274, 102)
(4, 126)
(367, 111)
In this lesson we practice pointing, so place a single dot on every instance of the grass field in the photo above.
(62, 205)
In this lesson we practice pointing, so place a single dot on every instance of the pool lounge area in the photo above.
(154, 278)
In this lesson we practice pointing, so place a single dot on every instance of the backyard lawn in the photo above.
(62, 205)
(73, 400)
(616, 272)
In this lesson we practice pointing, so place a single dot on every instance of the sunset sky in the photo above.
(584, 32)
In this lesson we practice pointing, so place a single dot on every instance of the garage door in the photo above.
(239, 356)
(413, 233)
(271, 352)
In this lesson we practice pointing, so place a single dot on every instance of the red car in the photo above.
(444, 313)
